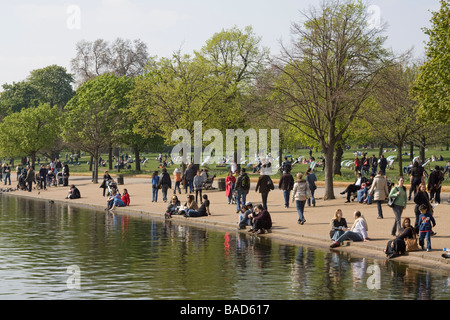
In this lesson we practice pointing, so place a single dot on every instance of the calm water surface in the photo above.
(54, 251)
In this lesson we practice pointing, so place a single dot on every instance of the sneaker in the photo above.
(260, 231)
(335, 245)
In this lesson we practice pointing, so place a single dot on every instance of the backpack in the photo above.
(245, 182)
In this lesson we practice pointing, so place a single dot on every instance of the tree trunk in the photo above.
(137, 158)
(400, 160)
(337, 160)
(329, 157)
(110, 162)
(96, 155)
(411, 151)
(422, 149)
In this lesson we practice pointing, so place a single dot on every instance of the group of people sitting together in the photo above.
(405, 241)
(256, 217)
(190, 207)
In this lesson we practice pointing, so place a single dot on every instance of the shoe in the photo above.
(314, 204)
(303, 222)
(335, 245)
(343, 192)
(428, 250)
(260, 231)
(379, 217)
(347, 201)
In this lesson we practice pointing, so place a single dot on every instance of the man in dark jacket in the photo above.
(286, 184)
(242, 186)
(264, 186)
(166, 183)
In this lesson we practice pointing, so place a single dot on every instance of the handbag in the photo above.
(411, 244)
(391, 201)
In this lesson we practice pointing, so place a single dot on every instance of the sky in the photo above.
(39, 33)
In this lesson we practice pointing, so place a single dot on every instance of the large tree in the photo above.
(328, 73)
(94, 116)
(30, 132)
(432, 87)
(394, 114)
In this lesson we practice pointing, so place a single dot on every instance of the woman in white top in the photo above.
(358, 232)
(300, 194)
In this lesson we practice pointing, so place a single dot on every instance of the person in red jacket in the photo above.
(126, 197)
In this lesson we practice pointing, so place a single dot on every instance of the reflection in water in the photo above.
(121, 256)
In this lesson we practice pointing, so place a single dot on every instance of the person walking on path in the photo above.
(198, 187)
(264, 185)
(166, 183)
(417, 173)
(286, 184)
(300, 194)
(155, 186)
(434, 184)
(379, 191)
(311, 179)
(399, 192)
(242, 188)
(177, 178)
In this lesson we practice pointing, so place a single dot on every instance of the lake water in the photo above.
(54, 251)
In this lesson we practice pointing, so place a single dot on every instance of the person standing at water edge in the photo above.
(155, 186)
(399, 204)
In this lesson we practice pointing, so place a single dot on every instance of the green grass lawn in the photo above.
(348, 175)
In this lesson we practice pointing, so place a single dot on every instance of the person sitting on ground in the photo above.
(117, 202)
(203, 211)
(261, 220)
(172, 208)
(353, 187)
(358, 231)
(244, 217)
(126, 197)
(397, 246)
(338, 225)
(190, 204)
(74, 193)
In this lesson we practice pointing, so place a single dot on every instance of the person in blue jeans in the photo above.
(358, 231)
(155, 186)
(300, 193)
(311, 179)
(426, 223)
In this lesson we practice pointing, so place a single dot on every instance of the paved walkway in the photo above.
(314, 232)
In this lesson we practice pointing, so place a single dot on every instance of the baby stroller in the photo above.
(112, 186)
(21, 185)
(60, 179)
(234, 196)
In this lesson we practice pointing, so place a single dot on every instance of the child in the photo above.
(426, 222)
(126, 197)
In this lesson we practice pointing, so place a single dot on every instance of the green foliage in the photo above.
(29, 131)
(432, 85)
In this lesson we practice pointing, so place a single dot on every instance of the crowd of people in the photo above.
(370, 186)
